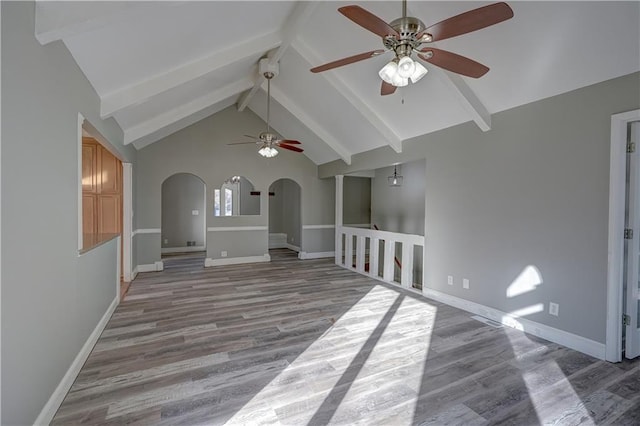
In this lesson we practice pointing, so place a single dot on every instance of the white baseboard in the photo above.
(236, 260)
(315, 255)
(292, 247)
(134, 273)
(151, 267)
(570, 340)
(187, 249)
(52, 405)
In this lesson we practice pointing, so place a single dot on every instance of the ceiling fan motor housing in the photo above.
(408, 27)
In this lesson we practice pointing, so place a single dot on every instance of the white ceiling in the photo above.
(161, 66)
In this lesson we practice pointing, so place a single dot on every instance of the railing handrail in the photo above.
(385, 235)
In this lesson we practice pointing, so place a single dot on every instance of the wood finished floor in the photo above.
(308, 343)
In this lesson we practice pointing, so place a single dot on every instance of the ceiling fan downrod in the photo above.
(268, 75)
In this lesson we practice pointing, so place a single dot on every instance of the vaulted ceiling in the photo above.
(161, 66)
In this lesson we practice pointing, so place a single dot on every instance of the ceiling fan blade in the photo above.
(291, 148)
(347, 61)
(454, 62)
(467, 22)
(251, 137)
(368, 21)
(289, 141)
(242, 143)
(387, 89)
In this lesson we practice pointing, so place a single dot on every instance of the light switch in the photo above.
(195, 212)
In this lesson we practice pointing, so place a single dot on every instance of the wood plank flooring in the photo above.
(308, 343)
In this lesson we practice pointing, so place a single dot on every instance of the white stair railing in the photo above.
(372, 238)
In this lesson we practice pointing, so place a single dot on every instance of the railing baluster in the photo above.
(406, 274)
(338, 253)
(374, 254)
(348, 251)
(389, 254)
(360, 251)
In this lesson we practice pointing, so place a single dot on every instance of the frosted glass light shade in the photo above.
(388, 72)
(267, 151)
(419, 72)
(406, 67)
(399, 81)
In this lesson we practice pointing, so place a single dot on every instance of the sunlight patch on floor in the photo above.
(551, 404)
(348, 362)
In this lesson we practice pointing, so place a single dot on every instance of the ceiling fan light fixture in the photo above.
(268, 151)
(419, 72)
(388, 72)
(406, 67)
(399, 81)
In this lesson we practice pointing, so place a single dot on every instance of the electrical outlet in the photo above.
(166, 241)
(195, 212)
(450, 280)
(223, 254)
(465, 283)
(554, 309)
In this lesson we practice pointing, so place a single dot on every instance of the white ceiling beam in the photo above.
(463, 93)
(345, 90)
(167, 118)
(57, 20)
(141, 92)
(311, 123)
(468, 99)
(294, 23)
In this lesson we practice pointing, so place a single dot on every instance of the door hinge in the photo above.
(631, 147)
(628, 234)
(626, 319)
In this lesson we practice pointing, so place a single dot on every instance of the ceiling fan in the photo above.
(268, 141)
(404, 35)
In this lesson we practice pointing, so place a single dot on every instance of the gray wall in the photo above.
(356, 204)
(531, 191)
(399, 208)
(249, 204)
(51, 298)
(201, 149)
(276, 225)
(181, 194)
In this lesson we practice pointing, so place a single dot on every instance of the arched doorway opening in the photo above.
(184, 231)
(285, 218)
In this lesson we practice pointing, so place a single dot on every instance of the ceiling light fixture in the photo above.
(398, 72)
(268, 151)
(395, 179)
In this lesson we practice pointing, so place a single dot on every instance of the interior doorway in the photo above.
(285, 215)
(623, 288)
(183, 215)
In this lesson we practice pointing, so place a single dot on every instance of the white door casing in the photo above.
(615, 264)
(632, 335)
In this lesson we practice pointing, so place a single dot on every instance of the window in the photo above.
(216, 202)
(228, 202)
